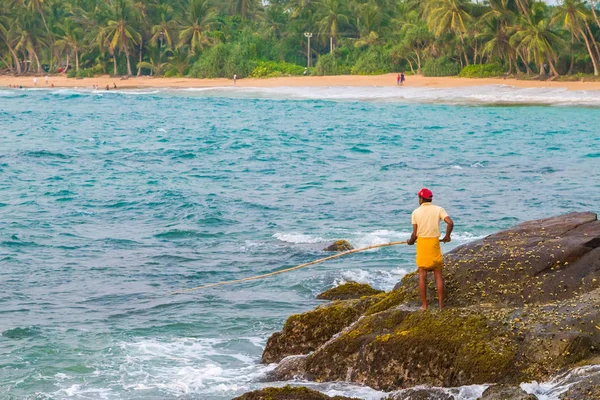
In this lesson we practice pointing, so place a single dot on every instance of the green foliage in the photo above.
(332, 64)
(223, 61)
(270, 69)
(222, 38)
(374, 61)
(482, 71)
(440, 67)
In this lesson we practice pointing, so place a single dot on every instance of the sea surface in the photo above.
(110, 201)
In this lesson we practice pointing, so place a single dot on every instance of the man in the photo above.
(426, 233)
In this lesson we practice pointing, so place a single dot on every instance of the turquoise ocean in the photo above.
(109, 201)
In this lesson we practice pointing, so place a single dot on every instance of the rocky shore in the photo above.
(522, 305)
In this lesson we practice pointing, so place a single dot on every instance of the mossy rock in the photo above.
(421, 394)
(289, 393)
(339, 246)
(400, 349)
(349, 290)
(304, 333)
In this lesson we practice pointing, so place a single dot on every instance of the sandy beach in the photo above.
(314, 81)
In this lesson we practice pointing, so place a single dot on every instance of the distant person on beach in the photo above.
(398, 80)
(234, 79)
(305, 71)
(426, 233)
(114, 85)
(46, 78)
(402, 78)
(107, 88)
(35, 81)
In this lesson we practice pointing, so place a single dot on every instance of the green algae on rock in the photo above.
(349, 290)
(382, 342)
(339, 246)
(289, 393)
(304, 333)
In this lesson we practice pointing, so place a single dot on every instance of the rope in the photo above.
(253, 278)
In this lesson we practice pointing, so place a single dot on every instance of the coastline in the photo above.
(387, 80)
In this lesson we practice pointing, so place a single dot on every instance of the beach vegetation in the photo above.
(209, 38)
(482, 71)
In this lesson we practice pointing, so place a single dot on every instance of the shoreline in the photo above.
(387, 80)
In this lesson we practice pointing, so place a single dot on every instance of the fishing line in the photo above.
(253, 278)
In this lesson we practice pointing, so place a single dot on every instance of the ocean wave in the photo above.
(471, 95)
(298, 238)
(360, 239)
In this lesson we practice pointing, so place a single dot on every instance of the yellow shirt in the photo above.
(427, 218)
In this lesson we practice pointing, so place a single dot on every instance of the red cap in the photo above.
(425, 193)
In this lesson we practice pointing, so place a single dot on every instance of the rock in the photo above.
(534, 262)
(289, 393)
(290, 368)
(586, 388)
(506, 392)
(400, 349)
(420, 394)
(304, 333)
(524, 305)
(349, 290)
(339, 245)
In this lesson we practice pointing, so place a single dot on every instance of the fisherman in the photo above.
(426, 233)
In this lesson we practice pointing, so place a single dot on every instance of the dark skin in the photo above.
(439, 281)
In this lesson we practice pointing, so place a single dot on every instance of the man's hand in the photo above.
(446, 239)
(410, 242)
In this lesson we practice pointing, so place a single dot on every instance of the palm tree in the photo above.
(120, 33)
(537, 40)
(245, 8)
(573, 15)
(448, 16)
(330, 15)
(7, 36)
(497, 28)
(70, 37)
(198, 19)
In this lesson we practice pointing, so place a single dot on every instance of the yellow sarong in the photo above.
(429, 253)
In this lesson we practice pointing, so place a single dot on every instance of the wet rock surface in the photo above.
(523, 305)
(587, 388)
(289, 393)
(420, 394)
(506, 392)
(349, 290)
(339, 245)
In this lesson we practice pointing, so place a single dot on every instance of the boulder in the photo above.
(349, 290)
(586, 388)
(420, 393)
(304, 333)
(339, 246)
(524, 305)
(534, 262)
(506, 392)
(289, 393)
(290, 368)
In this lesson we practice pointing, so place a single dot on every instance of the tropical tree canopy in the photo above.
(209, 38)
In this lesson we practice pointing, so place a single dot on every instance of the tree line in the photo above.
(212, 38)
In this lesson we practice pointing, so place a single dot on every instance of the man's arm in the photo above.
(413, 237)
(449, 228)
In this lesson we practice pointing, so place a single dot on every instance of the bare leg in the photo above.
(423, 286)
(439, 283)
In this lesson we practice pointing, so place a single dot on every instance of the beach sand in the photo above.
(306, 81)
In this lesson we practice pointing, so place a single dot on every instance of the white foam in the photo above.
(298, 238)
(471, 95)
(558, 385)
(381, 279)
